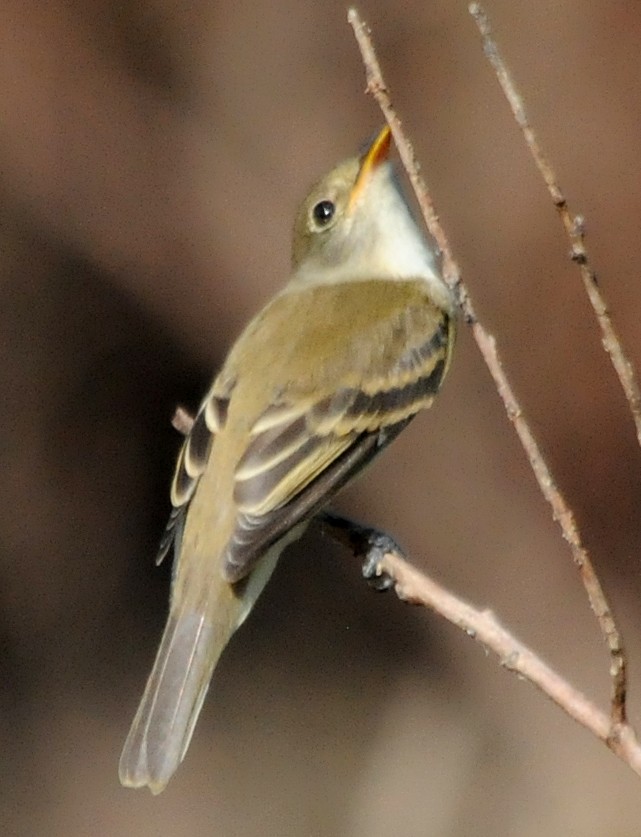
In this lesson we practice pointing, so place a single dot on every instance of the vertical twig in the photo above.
(575, 229)
(487, 345)
(574, 224)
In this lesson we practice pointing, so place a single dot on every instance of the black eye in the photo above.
(323, 212)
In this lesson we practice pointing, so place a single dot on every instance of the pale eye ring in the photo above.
(323, 212)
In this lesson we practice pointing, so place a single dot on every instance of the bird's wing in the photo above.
(307, 444)
(192, 460)
(302, 451)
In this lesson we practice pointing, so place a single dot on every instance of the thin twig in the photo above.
(385, 565)
(574, 224)
(377, 88)
(487, 346)
(182, 421)
(413, 586)
(575, 229)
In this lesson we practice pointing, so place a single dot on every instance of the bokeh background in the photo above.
(152, 155)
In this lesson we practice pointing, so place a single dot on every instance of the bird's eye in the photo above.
(323, 212)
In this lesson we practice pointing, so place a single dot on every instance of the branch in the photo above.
(414, 587)
(574, 225)
(384, 565)
(487, 345)
(182, 421)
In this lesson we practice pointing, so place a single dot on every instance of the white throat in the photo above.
(384, 243)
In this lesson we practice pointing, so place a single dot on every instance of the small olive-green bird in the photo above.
(324, 377)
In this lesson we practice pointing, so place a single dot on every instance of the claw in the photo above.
(371, 545)
(376, 546)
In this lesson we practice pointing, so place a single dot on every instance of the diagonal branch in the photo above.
(383, 559)
(574, 225)
(487, 345)
(385, 565)
(415, 587)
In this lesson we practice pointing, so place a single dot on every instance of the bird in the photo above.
(353, 346)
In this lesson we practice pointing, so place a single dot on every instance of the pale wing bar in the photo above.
(191, 463)
(290, 467)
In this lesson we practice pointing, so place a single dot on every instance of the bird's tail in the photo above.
(164, 722)
(194, 638)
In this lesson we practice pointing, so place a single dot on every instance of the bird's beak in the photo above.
(377, 153)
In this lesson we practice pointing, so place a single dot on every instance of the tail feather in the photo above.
(173, 697)
(196, 633)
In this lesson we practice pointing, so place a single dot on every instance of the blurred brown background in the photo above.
(151, 159)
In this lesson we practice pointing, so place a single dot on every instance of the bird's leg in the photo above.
(368, 544)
